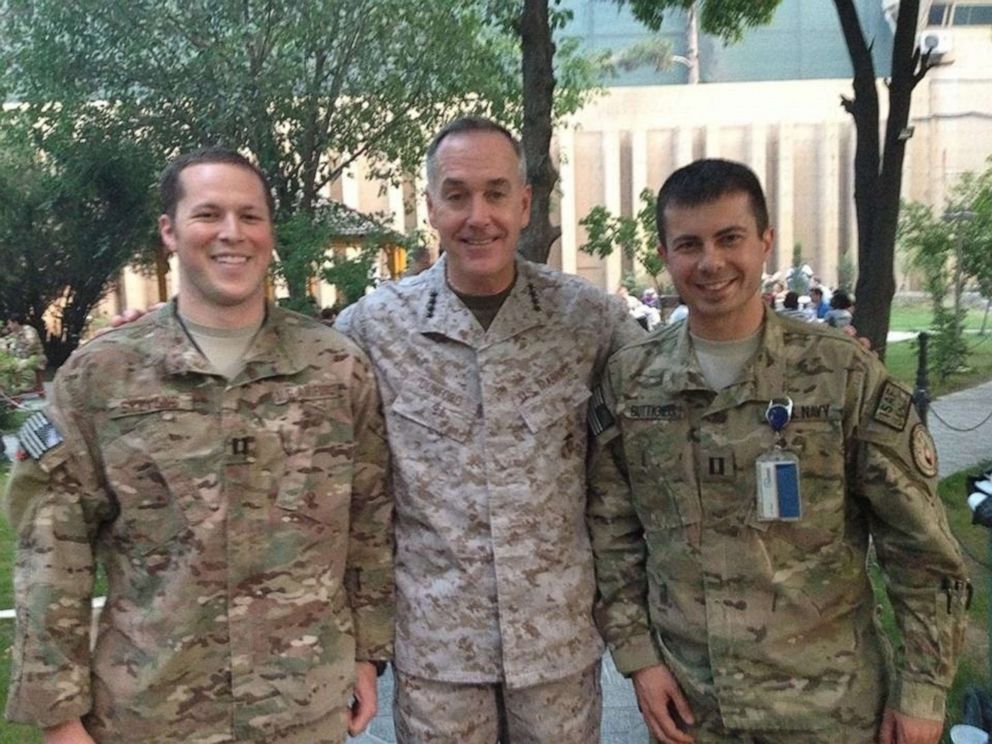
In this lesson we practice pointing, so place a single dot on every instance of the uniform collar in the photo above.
(269, 355)
(443, 314)
(762, 378)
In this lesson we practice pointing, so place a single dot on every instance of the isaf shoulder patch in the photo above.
(893, 406)
(38, 435)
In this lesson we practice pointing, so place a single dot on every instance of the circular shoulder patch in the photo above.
(924, 450)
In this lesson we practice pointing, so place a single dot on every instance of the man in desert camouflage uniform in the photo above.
(485, 363)
(751, 620)
(225, 461)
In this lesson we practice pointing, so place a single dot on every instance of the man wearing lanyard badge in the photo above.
(742, 462)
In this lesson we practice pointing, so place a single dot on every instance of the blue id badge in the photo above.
(778, 486)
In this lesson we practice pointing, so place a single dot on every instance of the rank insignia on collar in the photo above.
(38, 435)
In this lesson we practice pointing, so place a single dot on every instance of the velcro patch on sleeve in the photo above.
(893, 406)
(38, 435)
(600, 416)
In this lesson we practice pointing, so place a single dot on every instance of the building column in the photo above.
(785, 202)
(613, 269)
(566, 208)
(397, 209)
(828, 193)
(682, 146)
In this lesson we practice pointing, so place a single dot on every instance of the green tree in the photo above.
(637, 237)
(878, 161)
(798, 281)
(71, 216)
(306, 87)
(535, 22)
(929, 244)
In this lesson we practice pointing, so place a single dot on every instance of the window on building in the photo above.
(938, 14)
(972, 14)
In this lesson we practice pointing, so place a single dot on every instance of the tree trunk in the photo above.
(538, 51)
(878, 168)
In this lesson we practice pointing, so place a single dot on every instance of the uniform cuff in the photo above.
(919, 700)
(636, 653)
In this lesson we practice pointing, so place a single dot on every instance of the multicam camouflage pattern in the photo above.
(494, 573)
(244, 526)
(563, 710)
(771, 622)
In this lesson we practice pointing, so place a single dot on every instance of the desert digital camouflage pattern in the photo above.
(494, 572)
(245, 530)
(772, 622)
(563, 710)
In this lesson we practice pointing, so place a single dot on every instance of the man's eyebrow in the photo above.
(448, 183)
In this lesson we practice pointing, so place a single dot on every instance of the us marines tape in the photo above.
(38, 435)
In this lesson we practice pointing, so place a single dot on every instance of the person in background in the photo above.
(818, 306)
(840, 314)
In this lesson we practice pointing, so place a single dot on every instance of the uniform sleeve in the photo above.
(55, 504)
(896, 473)
(369, 571)
(621, 609)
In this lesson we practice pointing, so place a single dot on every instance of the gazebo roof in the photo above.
(350, 224)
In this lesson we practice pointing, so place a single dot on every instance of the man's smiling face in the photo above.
(478, 203)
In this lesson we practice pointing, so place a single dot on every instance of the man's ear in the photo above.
(662, 252)
(167, 233)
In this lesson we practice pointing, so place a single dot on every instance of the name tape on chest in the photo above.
(38, 435)
(655, 412)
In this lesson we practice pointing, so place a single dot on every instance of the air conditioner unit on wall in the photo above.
(938, 43)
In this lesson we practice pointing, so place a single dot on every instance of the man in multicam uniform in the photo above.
(738, 626)
(485, 363)
(225, 461)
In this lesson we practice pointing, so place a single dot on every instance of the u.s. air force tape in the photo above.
(38, 435)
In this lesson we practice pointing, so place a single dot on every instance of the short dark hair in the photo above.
(705, 181)
(841, 300)
(817, 290)
(791, 300)
(472, 124)
(170, 188)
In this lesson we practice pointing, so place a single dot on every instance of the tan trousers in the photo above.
(564, 710)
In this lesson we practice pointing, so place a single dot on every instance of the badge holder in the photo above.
(778, 470)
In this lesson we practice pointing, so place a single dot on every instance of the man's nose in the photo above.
(230, 227)
(712, 257)
(479, 213)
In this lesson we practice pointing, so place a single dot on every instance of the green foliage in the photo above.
(846, 271)
(306, 88)
(636, 236)
(798, 281)
(75, 207)
(727, 19)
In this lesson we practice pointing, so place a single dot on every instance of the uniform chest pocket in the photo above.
(316, 449)
(441, 419)
(160, 462)
(555, 403)
(820, 447)
(658, 452)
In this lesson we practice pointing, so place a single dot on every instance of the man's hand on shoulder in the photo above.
(70, 732)
(664, 707)
(901, 729)
(129, 315)
(365, 704)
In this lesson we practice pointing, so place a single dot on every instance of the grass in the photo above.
(901, 357)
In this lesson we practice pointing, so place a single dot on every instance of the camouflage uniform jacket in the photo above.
(771, 620)
(244, 526)
(494, 573)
